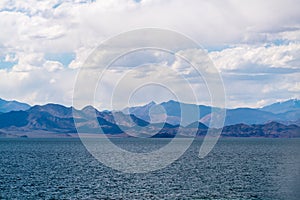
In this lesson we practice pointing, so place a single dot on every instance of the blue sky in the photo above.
(255, 45)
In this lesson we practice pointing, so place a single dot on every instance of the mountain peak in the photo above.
(283, 106)
(172, 101)
(49, 106)
(7, 106)
(150, 104)
(88, 108)
(56, 110)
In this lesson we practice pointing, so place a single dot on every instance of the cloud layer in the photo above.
(254, 44)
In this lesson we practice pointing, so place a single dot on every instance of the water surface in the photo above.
(237, 168)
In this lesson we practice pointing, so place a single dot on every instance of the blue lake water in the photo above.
(237, 168)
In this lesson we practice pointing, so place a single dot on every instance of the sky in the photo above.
(254, 44)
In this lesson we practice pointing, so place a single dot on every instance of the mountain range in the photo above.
(275, 120)
(287, 112)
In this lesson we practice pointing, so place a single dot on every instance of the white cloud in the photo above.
(244, 30)
(81, 55)
(73, 25)
(38, 86)
(10, 58)
(142, 84)
(294, 87)
(52, 66)
(247, 56)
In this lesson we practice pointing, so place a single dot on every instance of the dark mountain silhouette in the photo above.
(269, 130)
(48, 118)
(272, 129)
(197, 125)
(13, 118)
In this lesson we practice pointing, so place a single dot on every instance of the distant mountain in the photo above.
(136, 122)
(197, 125)
(55, 110)
(173, 111)
(59, 119)
(249, 116)
(48, 118)
(233, 116)
(295, 122)
(288, 112)
(140, 111)
(272, 129)
(197, 128)
(7, 106)
(269, 130)
(13, 119)
(282, 107)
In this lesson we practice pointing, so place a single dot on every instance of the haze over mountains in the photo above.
(151, 120)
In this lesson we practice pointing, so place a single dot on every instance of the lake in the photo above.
(237, 168)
